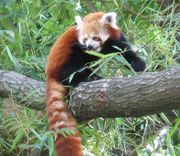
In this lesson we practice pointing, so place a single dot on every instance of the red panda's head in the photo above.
(95, 28)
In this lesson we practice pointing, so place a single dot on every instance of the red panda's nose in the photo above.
(90, 47)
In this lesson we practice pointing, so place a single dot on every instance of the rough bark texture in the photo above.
(26, 90)
(123, 97)
(118, 97)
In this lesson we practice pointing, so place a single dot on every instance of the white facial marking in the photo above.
(80, 37)
(93, 43)
(103, 35)
(92, 34)
(88, 39)
(96, 44)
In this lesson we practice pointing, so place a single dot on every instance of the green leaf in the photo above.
(12, 58)
(116, 3)
(175, 128)
(71, 76)
(121, 59)
(50, 144)
(18, 138)
(95, 54)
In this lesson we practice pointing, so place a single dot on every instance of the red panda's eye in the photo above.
(85, 39)
(95, 38)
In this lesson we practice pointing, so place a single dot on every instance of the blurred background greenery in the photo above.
(28, 28)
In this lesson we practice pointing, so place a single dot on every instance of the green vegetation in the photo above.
(28, 28)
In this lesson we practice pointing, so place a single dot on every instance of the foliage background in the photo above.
(28, 28)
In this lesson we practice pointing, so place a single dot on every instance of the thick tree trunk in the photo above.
(118, 97)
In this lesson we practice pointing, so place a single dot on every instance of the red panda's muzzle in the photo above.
(90, 47)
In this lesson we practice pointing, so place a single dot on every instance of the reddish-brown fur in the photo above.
(91, 24)
(58, 115)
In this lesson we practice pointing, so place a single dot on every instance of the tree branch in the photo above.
(128, 96)
(26, 90)
(118, 97)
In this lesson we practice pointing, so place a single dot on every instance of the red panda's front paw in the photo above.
(138, 65)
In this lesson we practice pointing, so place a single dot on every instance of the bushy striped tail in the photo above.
(59, 117)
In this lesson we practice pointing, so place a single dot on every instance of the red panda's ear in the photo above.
(109, 18)
(78, 22)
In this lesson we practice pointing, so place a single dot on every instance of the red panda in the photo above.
(96, 31)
